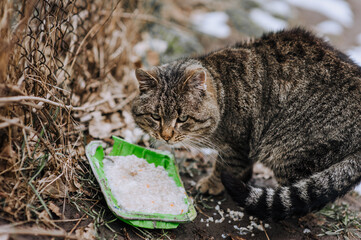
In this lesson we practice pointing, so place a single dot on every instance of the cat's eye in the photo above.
(182, 118)
(155, 117)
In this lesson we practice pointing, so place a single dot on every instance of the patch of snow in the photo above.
(266, 20)
(358, 189)
(338, 10)
(281, 8)
(212, 23)
(330, 27)
(157, 45)
(355, 54)
(132, 136)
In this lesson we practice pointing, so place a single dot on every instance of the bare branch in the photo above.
(5, 100)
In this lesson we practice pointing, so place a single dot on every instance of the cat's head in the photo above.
(177, 102)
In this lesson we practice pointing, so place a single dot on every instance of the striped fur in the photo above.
(301, 197)
(288, 100)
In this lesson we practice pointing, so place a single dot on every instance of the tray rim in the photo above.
(191, 214)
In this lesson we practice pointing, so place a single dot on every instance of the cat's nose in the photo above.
(166, 138)
(167, 133)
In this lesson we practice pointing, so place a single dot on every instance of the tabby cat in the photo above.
(288, 100)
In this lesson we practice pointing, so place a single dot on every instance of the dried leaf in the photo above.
(44, 217)
(233, 237)
(55, 209)
(57, 188)
(8, 158)
(87, 233)
(102, 127)
(7, 152)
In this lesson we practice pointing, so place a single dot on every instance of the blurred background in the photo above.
(67, 78)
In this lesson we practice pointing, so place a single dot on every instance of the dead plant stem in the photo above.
(35, 231)
(264, 230)
(69, 107)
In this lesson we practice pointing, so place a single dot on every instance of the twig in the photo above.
(26, 142)
(16, 123)
(30, 130)
(69, 107)
(264, 229)
(76, 225)
(43, 163)
(9, 122)
(127, 100)
(21, 98)
(89, 33)
(48, 84)
(200, 210)
(35, 231)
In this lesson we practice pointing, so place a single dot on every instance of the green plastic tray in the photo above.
(95, 155)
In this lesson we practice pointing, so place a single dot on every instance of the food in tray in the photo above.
(142, 187)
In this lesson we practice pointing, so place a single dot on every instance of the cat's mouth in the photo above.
(173, 140)
(169, 141)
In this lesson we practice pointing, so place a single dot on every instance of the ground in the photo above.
(103, 76)
(327, 224)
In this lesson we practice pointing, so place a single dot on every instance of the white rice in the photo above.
(141, 187)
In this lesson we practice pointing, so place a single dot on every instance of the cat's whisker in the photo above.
(196, 146)
(217, 158)
(219, 155)
(192, 146)
(185, 146)
(203, 141)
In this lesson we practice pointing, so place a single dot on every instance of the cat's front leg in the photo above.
(212, 184)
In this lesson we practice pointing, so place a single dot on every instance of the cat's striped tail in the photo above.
(299, 198)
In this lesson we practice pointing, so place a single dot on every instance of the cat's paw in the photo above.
(210, 185)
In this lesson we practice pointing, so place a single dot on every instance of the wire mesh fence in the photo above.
(61, 59)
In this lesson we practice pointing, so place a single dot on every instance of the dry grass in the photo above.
(59, 62)
(63, 64)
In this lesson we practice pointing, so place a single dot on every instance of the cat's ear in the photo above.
(146, 79)
(196, 78)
